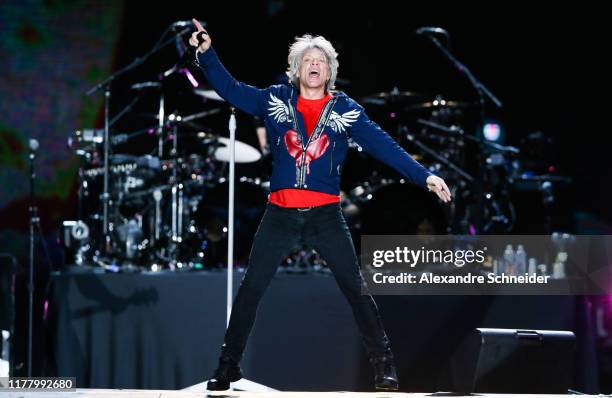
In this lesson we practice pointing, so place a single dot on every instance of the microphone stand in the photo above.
(34, 222)
(478, 85)
(33, 228)
(483, 92)
(230, 227)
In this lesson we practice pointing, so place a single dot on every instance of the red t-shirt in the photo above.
(310, 110)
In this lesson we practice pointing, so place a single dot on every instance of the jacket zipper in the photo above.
(276, 148)
(296, 126)
(317, 131)
(331, 162)
(301, 174)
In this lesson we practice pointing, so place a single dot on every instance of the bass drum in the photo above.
(397, 209)
(211, 220)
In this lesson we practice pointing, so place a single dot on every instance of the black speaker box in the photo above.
(513, 361)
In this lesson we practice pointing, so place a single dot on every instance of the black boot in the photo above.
(385, 378)
(228, 372)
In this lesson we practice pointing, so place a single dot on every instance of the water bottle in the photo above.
(520, 260)
(543, 269)
(559, 266)
(508, 261)
(533, 267)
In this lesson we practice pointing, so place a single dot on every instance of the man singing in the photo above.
(308, 127)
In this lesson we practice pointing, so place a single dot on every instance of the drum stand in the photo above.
(177, 205)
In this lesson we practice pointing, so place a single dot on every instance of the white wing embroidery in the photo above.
(340, 123)
(278, 110)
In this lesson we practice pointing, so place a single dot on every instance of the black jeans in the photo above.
(323, 228)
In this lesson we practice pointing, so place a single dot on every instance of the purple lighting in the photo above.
(190, 77)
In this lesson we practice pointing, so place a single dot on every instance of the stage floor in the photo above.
(99, 393)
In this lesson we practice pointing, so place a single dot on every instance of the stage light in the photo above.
(492, 131)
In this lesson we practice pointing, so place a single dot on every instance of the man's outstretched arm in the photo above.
(371, 137)
(243, 96)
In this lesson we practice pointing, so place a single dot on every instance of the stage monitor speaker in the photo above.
(513, 361)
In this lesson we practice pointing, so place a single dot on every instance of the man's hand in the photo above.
(193, 41)
(438, 186)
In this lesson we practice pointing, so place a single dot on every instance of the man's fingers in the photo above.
(442, 193)
(194, 42)
(446, 190)
(439, 187)
(197, 24)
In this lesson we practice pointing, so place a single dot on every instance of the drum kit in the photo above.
(166, 208)
(488, 180)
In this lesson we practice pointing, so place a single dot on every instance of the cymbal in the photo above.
(199, 115)
(209, 94)
(244, 153)
(440, 104)
(394, 96)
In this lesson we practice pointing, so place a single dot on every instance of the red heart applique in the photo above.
(315, 149)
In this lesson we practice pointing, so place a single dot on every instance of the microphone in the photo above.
(432, 30)
(33, 145)
(189, 58)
